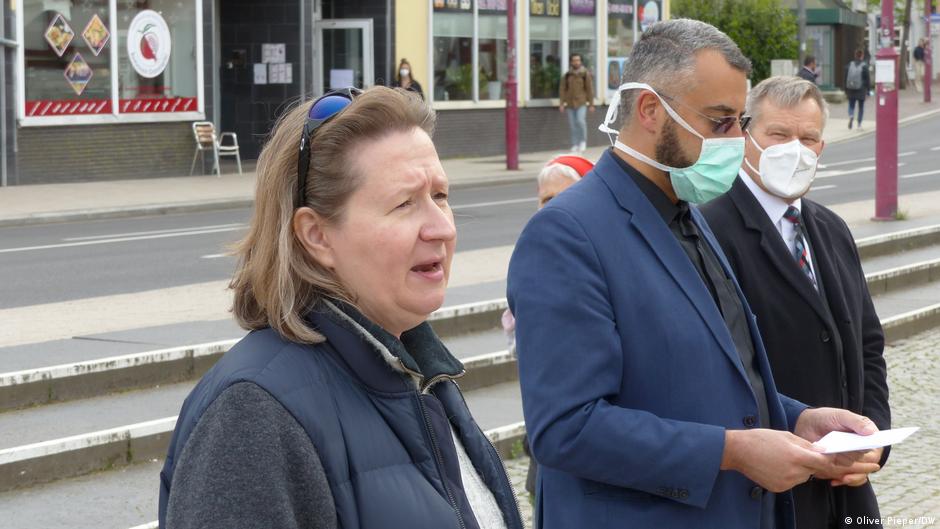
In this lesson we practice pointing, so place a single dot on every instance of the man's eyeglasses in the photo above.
(721, 125)
(324, 108)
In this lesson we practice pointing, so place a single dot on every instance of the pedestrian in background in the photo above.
(808, 71)
(339, 408)
(857, 85)
(799, 269)
(577, 97)
(647, 394)
(404, 78)
(919, 64)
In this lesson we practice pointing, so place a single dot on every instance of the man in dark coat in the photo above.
(799, 269)
(808, 71)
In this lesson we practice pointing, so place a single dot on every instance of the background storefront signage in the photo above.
(545, 8)
(67, 107)
(581, 7)
(148, 44)
(261, 73)
(453, 5)
(273, 53)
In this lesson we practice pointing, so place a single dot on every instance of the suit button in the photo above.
(824, 336)
(683, 494)
(845, 383)
(756, 492)
(750, 421)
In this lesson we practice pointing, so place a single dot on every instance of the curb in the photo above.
(903, 277)
(898, 241)
(124, 212)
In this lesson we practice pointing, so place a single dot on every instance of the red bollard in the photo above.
(928, 55)
(886, 137)
(512, 99)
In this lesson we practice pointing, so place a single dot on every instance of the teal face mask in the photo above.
(709, 177)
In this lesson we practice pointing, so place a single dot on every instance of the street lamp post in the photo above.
(512, 103)
(886, 119)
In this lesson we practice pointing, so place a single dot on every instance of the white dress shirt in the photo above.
(775, 207)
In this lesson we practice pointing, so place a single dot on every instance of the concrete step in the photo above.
(51, 442)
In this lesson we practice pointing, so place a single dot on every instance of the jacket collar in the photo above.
(649, 224)
(419, 353)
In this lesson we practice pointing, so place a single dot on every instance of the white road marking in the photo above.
(843, 172)
(154, 232)
(214, 256)
(925, 173)
(863, 160)
(496, 203)
(818, 188)
(118, 239)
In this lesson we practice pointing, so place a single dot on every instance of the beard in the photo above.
(669, 150)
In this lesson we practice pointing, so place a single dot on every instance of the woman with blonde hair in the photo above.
(339, 408)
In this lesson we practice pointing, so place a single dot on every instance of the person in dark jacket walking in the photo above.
(857, 85)
(576, 94)
(808, 71)
(405, 78)
(798, 267)
(339, 408)
(919, 67)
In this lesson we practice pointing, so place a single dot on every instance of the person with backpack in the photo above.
(919, 64)
(857, 85)
(576, 94)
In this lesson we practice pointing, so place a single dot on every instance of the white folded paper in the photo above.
(835, 442)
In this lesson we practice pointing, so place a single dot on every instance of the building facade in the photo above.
(109, 89)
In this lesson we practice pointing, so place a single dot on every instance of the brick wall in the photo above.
(481, 132)
(103, 152)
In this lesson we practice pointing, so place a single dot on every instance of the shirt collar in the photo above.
(773, 205)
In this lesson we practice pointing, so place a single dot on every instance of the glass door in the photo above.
(344, 55)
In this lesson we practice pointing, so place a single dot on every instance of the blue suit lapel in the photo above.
(660, 239)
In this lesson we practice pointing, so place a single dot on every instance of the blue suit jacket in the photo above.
(629, 375)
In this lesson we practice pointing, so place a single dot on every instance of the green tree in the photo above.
(763, 29)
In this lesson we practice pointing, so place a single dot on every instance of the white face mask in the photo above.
(404, 72)
(787, 170)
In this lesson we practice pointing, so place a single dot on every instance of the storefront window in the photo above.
(157, 57)
(619, 41)
(68, 49)
(453, 55)
(544, 48)
(492, 53)
(66, 57)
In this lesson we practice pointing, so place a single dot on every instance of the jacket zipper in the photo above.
(439, 459)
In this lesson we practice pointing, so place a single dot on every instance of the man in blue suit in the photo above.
(646, 389)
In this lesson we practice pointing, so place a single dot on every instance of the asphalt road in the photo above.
(59, 262)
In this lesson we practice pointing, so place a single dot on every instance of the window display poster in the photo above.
(273, 53)
(650, 13)
(340, 79)
(261, 73)
(59, 34)
(78, 74)
(96, 35)
(148, 44)
(282, 73)
(492, 6)
(620, 8)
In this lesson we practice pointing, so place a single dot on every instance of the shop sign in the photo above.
(96, 35)
(492, 6)
(545, 8)
(453, 5)
(78, 74)
(59, 34)
(148, 44)
(620, 8)
(581, 7)
(157, 104)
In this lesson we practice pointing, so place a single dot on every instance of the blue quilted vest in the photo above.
(383, 435)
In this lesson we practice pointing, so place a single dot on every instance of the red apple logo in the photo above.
(149, 44)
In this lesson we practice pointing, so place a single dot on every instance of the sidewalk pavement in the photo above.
(67, 202)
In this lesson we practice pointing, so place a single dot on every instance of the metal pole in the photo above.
(928, 54)
(512, 100)
(886, 126)
(801, 21)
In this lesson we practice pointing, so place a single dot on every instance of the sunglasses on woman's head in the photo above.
(324, 108)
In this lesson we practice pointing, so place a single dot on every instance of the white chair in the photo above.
(206, 140)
